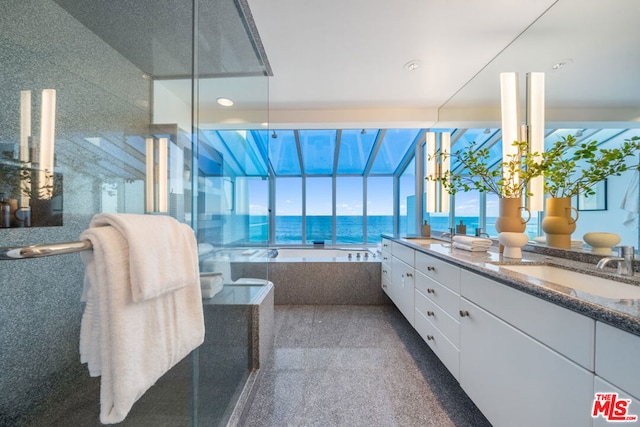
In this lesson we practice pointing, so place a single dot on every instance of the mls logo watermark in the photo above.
(611, 408)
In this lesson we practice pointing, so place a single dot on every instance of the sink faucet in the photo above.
(480, 233)
(448, 234)
(624, 260)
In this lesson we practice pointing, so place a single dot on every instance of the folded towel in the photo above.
(211, 284)
(163, 254)
(472, 241)
(132, 343)
(470, 248)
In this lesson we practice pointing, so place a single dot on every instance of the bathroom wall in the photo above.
(102, 102)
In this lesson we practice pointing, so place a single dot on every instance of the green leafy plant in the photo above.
(571, 168)
(507, 179)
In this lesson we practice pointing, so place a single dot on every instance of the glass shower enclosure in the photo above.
(115, 107)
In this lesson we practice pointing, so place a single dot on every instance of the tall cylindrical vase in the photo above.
(510, 216)
(558, 224)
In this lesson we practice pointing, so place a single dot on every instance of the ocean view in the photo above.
(349, 229)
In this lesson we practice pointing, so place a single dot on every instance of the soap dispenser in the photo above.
(426, 229)
(461, 228)
(5, 212)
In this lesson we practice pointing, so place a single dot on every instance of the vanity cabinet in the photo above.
(385, 267)
(437, 297)
(514, 378)
(402, 285)
(523, 360)
(618, 358)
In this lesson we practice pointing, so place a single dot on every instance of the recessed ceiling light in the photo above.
(225, 102)
(412, 65)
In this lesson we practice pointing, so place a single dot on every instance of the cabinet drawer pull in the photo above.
(464, 313)
(384, 286)
(409, 275)
(431, 268)
(384, 271)
(429, 313)
(385, 258)
(385, 245)
(430, 337)
(431, 291)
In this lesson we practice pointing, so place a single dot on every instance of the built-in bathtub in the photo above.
(319, 254)
(317, 275)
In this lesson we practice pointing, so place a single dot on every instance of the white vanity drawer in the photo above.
(618, 358)
(444, 297)
(448, 354)
(404, 253)
(441, 271)
(386, 271)
(387, 245)
(447, 325)
(563, 330)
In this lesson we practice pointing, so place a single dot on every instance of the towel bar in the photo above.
(38, 251)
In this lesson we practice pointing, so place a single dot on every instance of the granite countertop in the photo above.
(621, 313)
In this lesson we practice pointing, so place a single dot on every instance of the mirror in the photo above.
(591, 88)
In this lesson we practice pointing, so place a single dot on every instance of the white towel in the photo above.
(472, 241)
(470, 248)
(132, 343)
(163, 252)
(631, 201)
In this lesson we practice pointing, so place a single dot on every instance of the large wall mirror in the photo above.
(590, 60)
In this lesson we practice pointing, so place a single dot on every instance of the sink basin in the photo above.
(593, 285)
(425, 241)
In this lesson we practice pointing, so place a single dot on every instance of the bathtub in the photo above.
(318, 275)
(323, 254)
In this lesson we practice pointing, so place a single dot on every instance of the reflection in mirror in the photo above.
(30, 187)
(591, 93)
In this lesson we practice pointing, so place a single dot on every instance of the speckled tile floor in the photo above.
(355, 366)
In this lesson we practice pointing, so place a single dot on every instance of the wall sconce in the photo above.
(47, 140)
(157, 159)
(438, 165)
(532, 131)
(25, 136)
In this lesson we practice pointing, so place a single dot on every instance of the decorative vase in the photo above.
(558, 224)
(510, 217)
(601, 243)
(513, 243)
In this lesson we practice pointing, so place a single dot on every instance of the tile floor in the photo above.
(355, 366)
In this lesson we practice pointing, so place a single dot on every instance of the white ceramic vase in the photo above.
(600, 242)
(513, 243)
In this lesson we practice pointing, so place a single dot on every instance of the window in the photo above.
(289, 210)
(349, 220)
(379, 207)
(319, 203)
(408, 200)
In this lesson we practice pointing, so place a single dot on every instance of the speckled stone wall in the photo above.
(319, 282)
(99, 93)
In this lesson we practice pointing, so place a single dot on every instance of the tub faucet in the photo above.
(624, 260)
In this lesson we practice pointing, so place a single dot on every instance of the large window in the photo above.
(349, 219)
(408, 200)
(289, 210)
(379, 207)
(467, 212)
(319, 203)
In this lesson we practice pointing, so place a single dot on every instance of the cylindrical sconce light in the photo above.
(535, 135)
(509, 101)
(47, 141)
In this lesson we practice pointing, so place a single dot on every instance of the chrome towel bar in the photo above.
(38, 251)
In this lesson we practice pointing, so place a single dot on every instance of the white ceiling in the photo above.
(340, 62)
